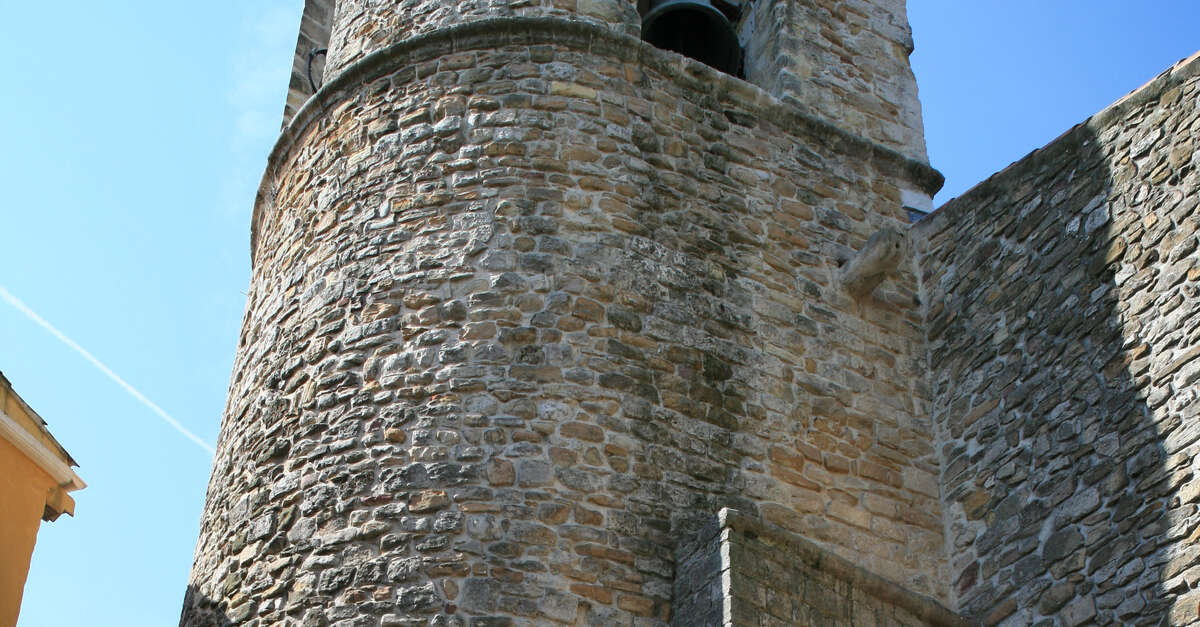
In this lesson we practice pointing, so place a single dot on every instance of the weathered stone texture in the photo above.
(529, 302)
(846, 62)
(1062, 301)
(739, 571)
(361, 27)
(532, 301)
(307, 65)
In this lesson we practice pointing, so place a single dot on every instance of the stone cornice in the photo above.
(497, 32)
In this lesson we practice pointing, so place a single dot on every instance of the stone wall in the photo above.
(517, 322)
(741, 572)
(315, 24)
(364, 26)
(699, 594)
(1061, 299)
(844, 61)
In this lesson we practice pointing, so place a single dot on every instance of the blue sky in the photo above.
(132, 138)
(1000, 78)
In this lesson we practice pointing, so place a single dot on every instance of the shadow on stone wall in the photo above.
(1061, 299)
(200, 611)
(740, 570)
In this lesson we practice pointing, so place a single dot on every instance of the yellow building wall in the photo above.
(24, 490)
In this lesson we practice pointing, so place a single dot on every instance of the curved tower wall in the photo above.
(531, 300)
(361, 27)
(847, 64)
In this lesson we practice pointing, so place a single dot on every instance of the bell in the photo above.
(696, 29)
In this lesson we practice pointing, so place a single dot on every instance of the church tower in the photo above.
(536, 300)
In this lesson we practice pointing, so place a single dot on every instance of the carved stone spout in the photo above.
(880, 257)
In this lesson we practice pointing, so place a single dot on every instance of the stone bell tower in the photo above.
(533, 300)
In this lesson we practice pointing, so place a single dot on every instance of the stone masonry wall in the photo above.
(363, 26)
(315, 24)
(1062, 300)
(698, 595)
(530, 299)
(740, 572)
(845, 61)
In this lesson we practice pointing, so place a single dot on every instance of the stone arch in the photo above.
(704, 30)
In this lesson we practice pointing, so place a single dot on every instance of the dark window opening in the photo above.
(700, 29)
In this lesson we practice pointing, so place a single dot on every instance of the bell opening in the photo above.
(696, 30)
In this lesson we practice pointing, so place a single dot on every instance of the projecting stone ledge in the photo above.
(739, 571)
(880, 257)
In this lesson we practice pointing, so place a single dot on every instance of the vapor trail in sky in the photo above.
(29, 313)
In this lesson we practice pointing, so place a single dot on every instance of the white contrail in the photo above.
(16, 302)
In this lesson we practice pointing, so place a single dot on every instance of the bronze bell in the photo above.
(696, 29)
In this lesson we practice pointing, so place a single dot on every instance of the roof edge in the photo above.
(39, 453)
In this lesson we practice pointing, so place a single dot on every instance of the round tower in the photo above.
(533, 299)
